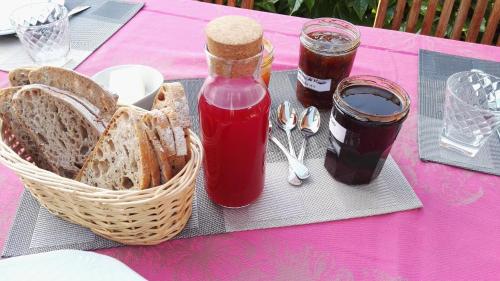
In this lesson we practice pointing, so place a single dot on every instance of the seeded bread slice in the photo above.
(172, 102)
(63, 127)
(19, 76)
(123, 157)
(21, 133)
(77, 84)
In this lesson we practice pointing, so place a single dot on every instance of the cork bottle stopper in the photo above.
(234, 38)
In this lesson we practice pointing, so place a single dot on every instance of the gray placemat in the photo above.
(320, 199)
(434, 69)
(89, 30)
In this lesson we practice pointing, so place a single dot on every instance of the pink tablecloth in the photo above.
(456, 236)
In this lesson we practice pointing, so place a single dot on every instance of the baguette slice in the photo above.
(123, 157)
(21, 133)
(63, 127)
(172, 102)
(19, 76)
(77, 84)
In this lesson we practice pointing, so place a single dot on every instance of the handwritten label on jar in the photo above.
(316, 84)
(337, 130)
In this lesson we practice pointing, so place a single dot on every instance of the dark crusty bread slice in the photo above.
(21, 133)
(19, 76)
(77, 84)
(123, 157)
(172, 102)
(63, 127)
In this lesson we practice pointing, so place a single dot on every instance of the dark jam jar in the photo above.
(366, 117)
(327, 50)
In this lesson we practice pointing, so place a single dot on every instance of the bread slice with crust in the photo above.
(63, 127)
(172, 96)
(77, 84)
(6, 112)
(171, 101)
(23, 135)
(162, 140)
(123, 158)
(19, 76)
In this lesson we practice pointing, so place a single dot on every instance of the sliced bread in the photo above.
(172, 96)
(19, 76)
(123, 158)
(162, 140)
(63, 127)
(18, 136)
(77, 84)
(171, 101)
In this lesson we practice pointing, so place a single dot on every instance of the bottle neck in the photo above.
(227, 68)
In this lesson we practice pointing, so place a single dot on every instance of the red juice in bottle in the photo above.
(234, 116)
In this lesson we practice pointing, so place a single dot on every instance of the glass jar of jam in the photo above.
(267, 60)
(366, 117)
(327, 51)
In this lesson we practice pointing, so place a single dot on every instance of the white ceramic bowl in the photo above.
(151, 78)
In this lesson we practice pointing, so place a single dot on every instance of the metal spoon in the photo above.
(309, 123)
(287, 118)
(298, 168)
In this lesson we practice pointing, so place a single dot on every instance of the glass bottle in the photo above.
(234, 113)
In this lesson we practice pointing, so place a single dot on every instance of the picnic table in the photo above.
(455, 236)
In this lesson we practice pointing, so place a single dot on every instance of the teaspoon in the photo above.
(287, 119)
(294, 164)
(309, 123)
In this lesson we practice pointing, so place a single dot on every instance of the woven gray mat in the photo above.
(320, 199)
(434, 69)
(89, 30)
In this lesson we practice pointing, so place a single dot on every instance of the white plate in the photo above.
(151, 78)
(66, 265)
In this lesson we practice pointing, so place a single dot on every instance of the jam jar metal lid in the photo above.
(348, 36)
(377, 82)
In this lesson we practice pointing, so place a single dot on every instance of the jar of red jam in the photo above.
(327, 51)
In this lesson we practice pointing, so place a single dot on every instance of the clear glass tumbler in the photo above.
(471, 111)
(43, 29)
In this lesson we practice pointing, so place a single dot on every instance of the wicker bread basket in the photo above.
(133, 217)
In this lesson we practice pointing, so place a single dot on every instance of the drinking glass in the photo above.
(43, 29)
(471, 111)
